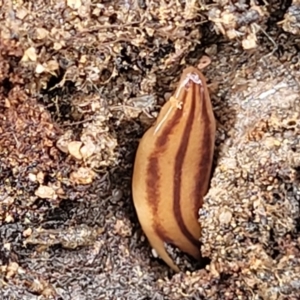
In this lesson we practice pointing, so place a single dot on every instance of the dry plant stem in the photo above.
(172, 168)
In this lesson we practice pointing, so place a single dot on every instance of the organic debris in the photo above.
(80, 81)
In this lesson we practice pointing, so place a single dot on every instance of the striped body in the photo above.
(172, 168)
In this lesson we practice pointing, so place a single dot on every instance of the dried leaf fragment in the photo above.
(46, 192)
(249, 42)
(12, 270)
(41, 33)
(50, 67)
(225, 216)
(63, 142)
(87, 150)
(29, 55)
(27, 232)
(83, 176)
(74, 4)
(21, 13)
(74, 149)
(39, 69)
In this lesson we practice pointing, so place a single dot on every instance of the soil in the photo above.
(80, 82)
